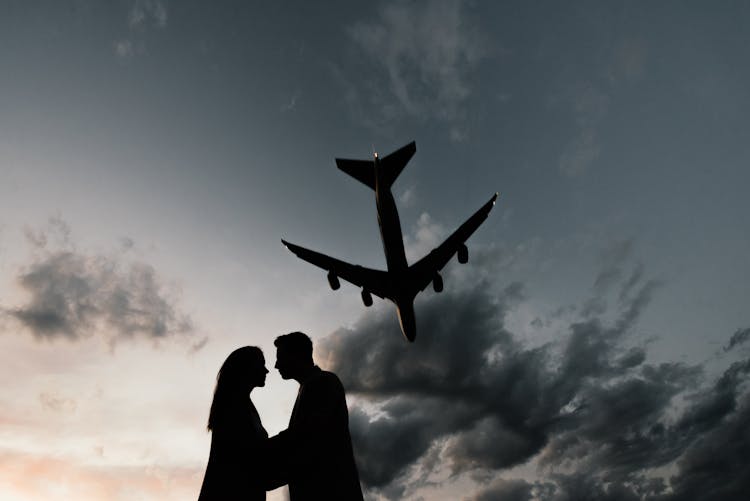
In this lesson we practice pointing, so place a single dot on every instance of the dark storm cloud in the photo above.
(708, 442)
(498, 401)
(618, 430)
(470, 397)
(716, 465)
(73, 295)
(740, 336)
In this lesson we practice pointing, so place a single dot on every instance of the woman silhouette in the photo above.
(238, 439)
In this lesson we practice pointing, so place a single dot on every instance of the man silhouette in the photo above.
(317, 447)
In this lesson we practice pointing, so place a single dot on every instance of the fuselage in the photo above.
(389, 224)
(393, 247)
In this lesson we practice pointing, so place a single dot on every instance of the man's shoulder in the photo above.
(326, 378)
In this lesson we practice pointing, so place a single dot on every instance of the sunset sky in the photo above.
(153, 153)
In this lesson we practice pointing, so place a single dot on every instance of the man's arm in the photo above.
(276, 463)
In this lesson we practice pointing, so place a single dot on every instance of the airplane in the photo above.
(401, 282)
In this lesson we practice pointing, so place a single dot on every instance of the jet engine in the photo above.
(366, 297)
(437, 283)
(333, 281)
(463, 254)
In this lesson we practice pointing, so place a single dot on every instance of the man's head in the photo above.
(293, 354)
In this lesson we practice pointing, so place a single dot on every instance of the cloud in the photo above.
(426, 54)
(716, 466)
(74, 295)
(30, 476)
(589, 100)
(588, 410)
(613, 257)
(291, 105)
(507, 490)
(628, 60)
(57, 403)
(57, 233)
(739, 337)
(407, 197)
(148, 12)
(143, 16)
(124, 49)
(199, 345)
(428, 234)
(614, 261)
(590, 107)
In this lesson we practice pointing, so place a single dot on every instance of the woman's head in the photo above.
(243, 370)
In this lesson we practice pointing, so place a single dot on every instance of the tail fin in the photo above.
(392, 165)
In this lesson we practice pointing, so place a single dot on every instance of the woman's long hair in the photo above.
(232, 381)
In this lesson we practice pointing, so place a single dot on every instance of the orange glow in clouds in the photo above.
(26, 478)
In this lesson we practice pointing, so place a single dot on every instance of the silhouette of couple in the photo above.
(313, 455)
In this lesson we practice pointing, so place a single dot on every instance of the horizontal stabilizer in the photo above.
(391, 165)
(361, 170)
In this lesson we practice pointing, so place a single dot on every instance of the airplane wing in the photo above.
(374, 281)
(423, 271)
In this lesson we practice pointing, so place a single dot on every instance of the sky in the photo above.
(153, 153)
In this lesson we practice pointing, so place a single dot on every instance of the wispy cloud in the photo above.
(427, 234)
(144, 15)
(407, 197)
(291, 105)
(148, 12)
(739, 337)
(422, 57)
(589, 100)
(55, 402)
(124, 49)
(590, 106)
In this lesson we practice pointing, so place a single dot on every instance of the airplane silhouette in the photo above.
(401, 283)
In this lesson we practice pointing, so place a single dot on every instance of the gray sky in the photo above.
(153, 153)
